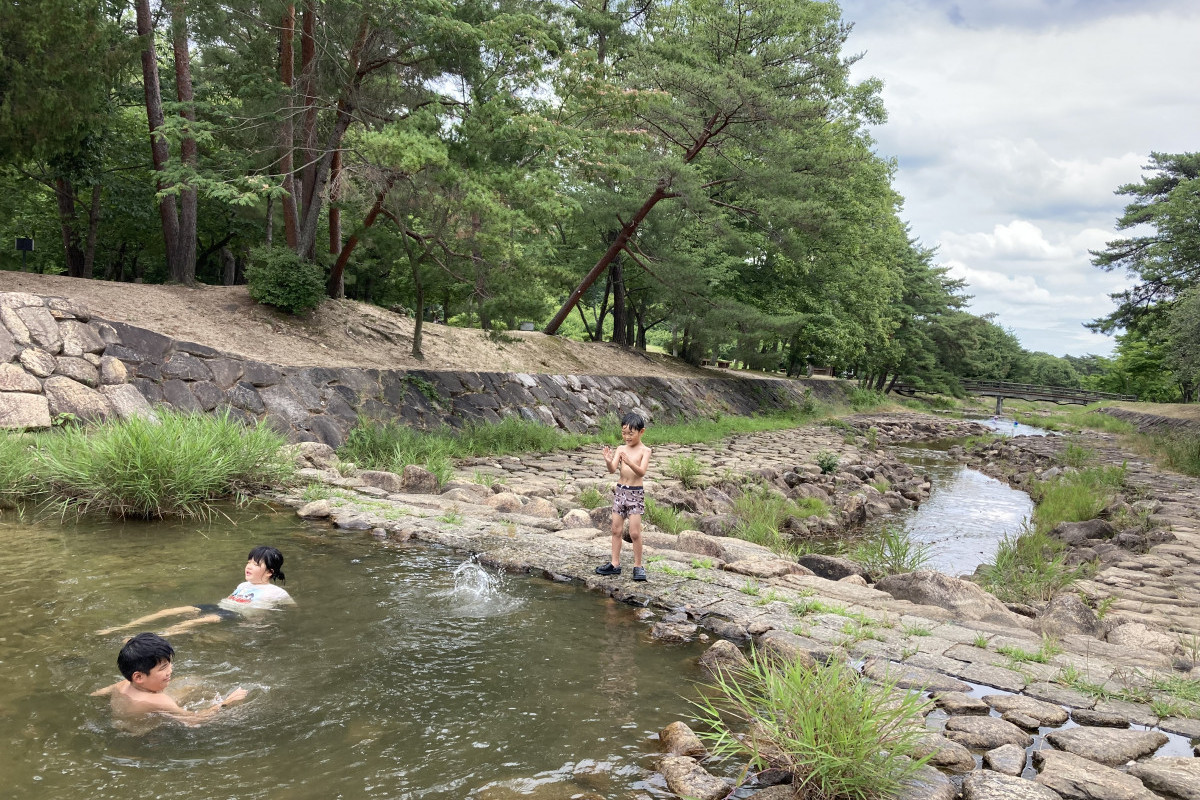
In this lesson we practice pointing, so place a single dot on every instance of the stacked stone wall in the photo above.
(57, 361)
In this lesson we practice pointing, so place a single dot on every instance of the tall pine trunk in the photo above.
(159, 152)
(183, 270)
(291, 216)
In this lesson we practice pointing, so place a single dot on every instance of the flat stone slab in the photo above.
(988, 785)
(1059, 694)
(1077, 778)
(1008, 759)
(1110, 746)
(957, 704)
(944, 753)
(907, 677)
(1170, 776)
(985, 733)
(1098, 719)
(1045, 713)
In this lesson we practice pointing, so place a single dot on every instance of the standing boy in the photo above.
(630, 461)
(145, 661)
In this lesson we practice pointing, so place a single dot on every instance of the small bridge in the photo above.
(1024, 391)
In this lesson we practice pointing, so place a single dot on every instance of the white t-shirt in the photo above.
(256, 595)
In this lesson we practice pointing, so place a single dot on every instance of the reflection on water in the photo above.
(400, 673)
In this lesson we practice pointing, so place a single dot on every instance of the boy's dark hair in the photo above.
(633, 421)
(270, 558)
(143, 653)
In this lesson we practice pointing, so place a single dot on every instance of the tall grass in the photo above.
(761, 514)
(665, 518)
(891, 552)
(176, 466)
(18, 464)
(840, 735)
(1076, 418)
(686, 469)
(1029, 567)
(1180, 452)
(1075, 496)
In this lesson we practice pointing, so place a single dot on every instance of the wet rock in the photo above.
(985, 733)
(674, 632)
(965, 599)
(1045, 713)
(317, 509)
(388, 481)
(960, 703)
(1098, 719)
(988, 785)
(944, 753)
(1066, 614)
(1007, 759)
(928, 784)
(353, 522)
(774, 792)
(678, 739)
(732, 631)
(723, 656)
(1074, 533)
(686, 778)
(1174, 777)
(1138, 636)
(830, 567)
(905, 676)
(1110, 746)
(418, 480)
(1078, 778)
(787, 647)
(1022, 721)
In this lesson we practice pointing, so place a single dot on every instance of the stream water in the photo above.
(402, 672)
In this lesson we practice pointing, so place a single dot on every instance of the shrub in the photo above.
(828, 461)
(591, 497)
(840, 735)
(278, 277)
(175, 466)
(1030, 566)
(865, 399)
(686, 469)
(664, 518)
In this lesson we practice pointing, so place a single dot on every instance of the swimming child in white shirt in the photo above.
(264, 566)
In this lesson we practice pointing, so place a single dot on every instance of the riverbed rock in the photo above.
(1174, 777)
(831, 568)
(960, 703)
(1045, 713)
(674, 632)
(1138, 636)
(723, 656)
(906, 676)
(678, 739)
(787, 647)
(686, 778)
(1098, 719)
(575, 518)
(1077, 778)
(317, 509)
(944, 753)
(989, 785)
(390, 482)
(1007, 758)
(1066, 614)
(1110, 746)
(418, 480)
(965, 599)
(1074, 533)
(928, 784)
(985, 733)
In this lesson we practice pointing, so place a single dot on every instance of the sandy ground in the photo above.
(340, 333)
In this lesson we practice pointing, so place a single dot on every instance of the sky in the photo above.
(1012, 123)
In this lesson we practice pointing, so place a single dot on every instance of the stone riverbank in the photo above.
(1010, 717)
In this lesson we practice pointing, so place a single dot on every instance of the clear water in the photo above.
(401, 673)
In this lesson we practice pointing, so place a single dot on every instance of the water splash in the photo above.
(477, 592)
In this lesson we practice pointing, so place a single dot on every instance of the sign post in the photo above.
(25, 245)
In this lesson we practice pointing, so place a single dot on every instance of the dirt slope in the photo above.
(340, 333)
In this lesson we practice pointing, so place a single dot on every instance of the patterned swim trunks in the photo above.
(629, 500)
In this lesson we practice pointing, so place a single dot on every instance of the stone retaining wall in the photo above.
(56, 359)
(1152, 423)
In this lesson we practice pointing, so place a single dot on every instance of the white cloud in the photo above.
(1014, 123)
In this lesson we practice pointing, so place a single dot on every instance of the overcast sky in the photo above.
(1012, 122)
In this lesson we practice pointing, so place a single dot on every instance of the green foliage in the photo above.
(1075, 496)
(1077, 455)
(686, 469)
(175, 466)
(664, 518)
(1179, 451)
(828, 461)
(591, 497)
(865, 399)
(1029, 567)
(761, 513)
(280, 278)
(841, 735)
(891, 552)
(18, 465)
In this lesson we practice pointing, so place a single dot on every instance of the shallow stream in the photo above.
(400, 673)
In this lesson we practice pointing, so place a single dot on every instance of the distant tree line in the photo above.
(696, 174)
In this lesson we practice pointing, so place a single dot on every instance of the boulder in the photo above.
(576, 518)
(965, 599)
(928, 784)
(506, 502)
(42, 327)
(8, 348)
(112, 371)
(701, 544)
(319, 454)
(686, 778)
(38, 362)
(1007, 759)
(988, 785)
(418, 480)
(766, 568)
(830, 568)
(678, 739)
(985, 733)
(959, 703)
(389, 482)
(718, 524)
(79, 338)
(1174, 777)
(723, 656)
(127, 402)
(539, 507)
(77, 369)
(1047, 714)
(66, 396)
(20, 410)
(317, 509)
(1078, 778)
(1066, 614)
(1109, 746)
(943, 753)
(1074, 533)
(15, 379)
(787, 647)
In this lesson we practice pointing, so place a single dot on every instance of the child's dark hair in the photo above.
(270, 558)
(633, 422)
(143, 653)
